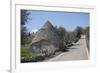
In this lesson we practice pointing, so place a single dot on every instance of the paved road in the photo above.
(76, 52)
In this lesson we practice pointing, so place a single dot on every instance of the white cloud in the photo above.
(34, 30)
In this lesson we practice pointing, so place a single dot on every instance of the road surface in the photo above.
(77, 52)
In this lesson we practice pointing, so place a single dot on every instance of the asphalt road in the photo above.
(77, 52)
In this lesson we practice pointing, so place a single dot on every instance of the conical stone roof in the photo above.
(48, 25)
(47, 32)
(46, 40)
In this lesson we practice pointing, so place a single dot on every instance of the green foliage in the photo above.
(78, 31)
(66, 38)
(24, 19)
(87, 33)
(70, 38)
(24, 16)
(25, 52)
(61, 32)
(28, 56)
(29, 38)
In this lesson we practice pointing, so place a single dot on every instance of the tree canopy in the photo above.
(24, 19)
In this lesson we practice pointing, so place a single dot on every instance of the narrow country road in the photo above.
(77, 52)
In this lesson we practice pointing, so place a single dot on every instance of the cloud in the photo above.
(34, 30)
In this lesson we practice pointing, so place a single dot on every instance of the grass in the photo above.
(25, 52)
(28, 56)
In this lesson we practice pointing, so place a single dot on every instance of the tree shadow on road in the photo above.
(66, 50)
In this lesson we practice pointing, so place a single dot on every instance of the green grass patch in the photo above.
(28, 56)
(25, 52)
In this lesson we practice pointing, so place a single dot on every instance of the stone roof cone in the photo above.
(46, 32)
(47, 25)
(46, 36)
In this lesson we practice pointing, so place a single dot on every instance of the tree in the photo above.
(78, 31)
(72, 37)
(24, 19)
(87, 33)
(61, 32)
(69, 37)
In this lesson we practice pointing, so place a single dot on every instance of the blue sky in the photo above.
(68, 20)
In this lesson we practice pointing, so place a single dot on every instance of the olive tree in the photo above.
(78, 32)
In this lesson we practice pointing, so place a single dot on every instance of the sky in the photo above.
(68, 20)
